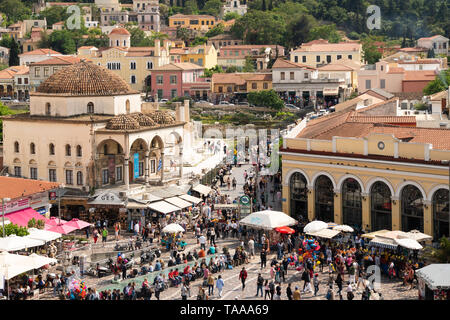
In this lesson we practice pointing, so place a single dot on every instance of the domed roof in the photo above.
(122, 31)
(122, 122)
(162, 117)
(84, 79)
(143, 120)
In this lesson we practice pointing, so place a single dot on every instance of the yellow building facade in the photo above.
(378, 181)
(202, 55)
(194, 22)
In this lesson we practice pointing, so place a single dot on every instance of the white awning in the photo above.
(383, 243)
(330, 91)
(179, 202)
(202, 189)
(324, 233)
(190, 198)
(108, 198)
(163, 207)
(136, 205)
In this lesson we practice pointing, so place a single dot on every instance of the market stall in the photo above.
(176, 201)
(324, 233)
(190, 198)
(434, 282)
(15, 243)
(202, 189)
(163, 207)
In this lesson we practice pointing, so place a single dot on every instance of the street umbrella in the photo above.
(79, 224)
(344, 228)
(12, 265)
(409, 243)
(40, 261)
(62, 228)
(285, 230)
(14, 243)
(173, 228)
(43, 235)
(267, 220)
(315, 226)
(54, 221)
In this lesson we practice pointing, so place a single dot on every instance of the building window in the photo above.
(69, 177)
(265, 85)
(119, 174)
(368, 84)
(105, 149)
(291, 75)
(173, 93)
(149, 65)
(317, 58)
(254, 85)
(18, 171)
(33, 173)
(173, 79)
(381, 68)
(160, 93)
(282, 76)
(37, 72)
(25, 80)
(412, 209)
(304, 58)
(90, 107)
(306, 75)
(16, 147)
(51, 149)
(79, 151)
(32, 148)
(324, 199)
(440, 213)
(382, 83)
(79, 178)
(133, 65)
(352, 203)
(296, 58)
(299, 196)
(48, 109)
(141, 168)
(133, 79)
(350, 57)
(45, 72)
(19, 80)
(328, 59)
(105, 176)
(220, 89)
(68, 150)
(339, 57)
(159, 79)
(229, 89)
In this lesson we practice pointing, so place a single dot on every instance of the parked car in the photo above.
(163, 100)
(225, 103)
(242, 103)
(5, 99)
(291, 106)
(204, 102)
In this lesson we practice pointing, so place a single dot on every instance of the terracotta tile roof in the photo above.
(141, 51)
(420, 61)
(381, 119)
(334, 67)
(396, 70)
(10, 72)
(121, 31)
(427, 75)
(439, 95)
(376, 105)
(192, 16)
(430, 38)
(379, 93)
(177, 51)
(318, 41)
(86, 47)
(329, 47)
(317, 127)
(227, 78)
(408, 95)
(347, 104)
(282, 63)
(40, 52)
(14, 188)
(260, 77)
(58, 60)
(59, 23)
(415, 49)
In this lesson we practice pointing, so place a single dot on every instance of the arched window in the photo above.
(68, 150)
(351, 203)
(32, 148)
(79, 151)
(16, 147)
(51, 149)
(324, 195)
(127, 106)
(105, 149)
(90, 107)
(298, 188)
(149, 65)
(440, 214)
(79, 178)
(412, 209)
(381, 208)
(48, 109)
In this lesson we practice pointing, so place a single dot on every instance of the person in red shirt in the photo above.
(243, 277)
(171, 277)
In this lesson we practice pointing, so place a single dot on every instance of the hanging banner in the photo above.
(160, 164)
(112, 168)
(136, 165)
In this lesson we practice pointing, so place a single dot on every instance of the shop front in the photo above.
(110, 207)
(434, 282)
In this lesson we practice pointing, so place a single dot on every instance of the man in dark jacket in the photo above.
(259, 284)
(263, 256)
(289, 292)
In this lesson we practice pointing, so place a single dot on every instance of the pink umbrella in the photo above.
(62, 228)
(79, 224)
(54, 221)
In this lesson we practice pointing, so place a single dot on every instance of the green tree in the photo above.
(190, 7)
(198, 41)
(370, 51)
(232, 69)
(63, 41)
(15, 10)
(12, 228)
(430, 53)
(249, 65)
(4, 111)
(54, 14)
(231, 15)
(209, 72)
(183, 34)
(138, 38)
(218, 29)
(297, 30)
(212, 7)
(440, 83)
(266, 98)
(14, 54)
(327, 32)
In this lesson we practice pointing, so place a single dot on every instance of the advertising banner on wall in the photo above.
(136, 165)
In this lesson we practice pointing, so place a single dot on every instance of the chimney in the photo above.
(166, 44)
(157, 48)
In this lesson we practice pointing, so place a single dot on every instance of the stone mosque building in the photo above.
(89, 130)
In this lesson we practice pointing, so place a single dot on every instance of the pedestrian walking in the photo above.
(95, 235)
(184, 291)
(316, 283)
(350, 294)
(219, 285)
(104, 235)
(243, 277)
(263, 256)
(259, 284)
(210, 282)
(251, 247)
(297, 295)
(289, 293)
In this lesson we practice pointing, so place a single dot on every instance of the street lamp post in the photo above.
(61, 186)
(4, 200)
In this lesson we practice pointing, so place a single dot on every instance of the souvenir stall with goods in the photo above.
(434, 282)
(108, 206)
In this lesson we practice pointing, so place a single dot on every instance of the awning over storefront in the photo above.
(202, 189)
(107, 199)
(163, 207)
(136, 205)
(190, 198)
(22, 217)
(148, 197)
(176, 201)
(383, 243)
(324, 233)
(330, 91)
